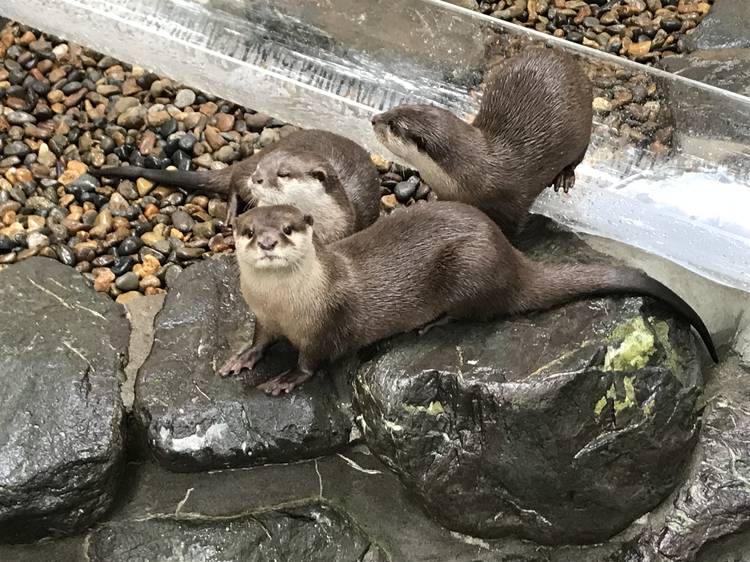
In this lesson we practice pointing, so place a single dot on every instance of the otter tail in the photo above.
(553, 284)
(214, 181)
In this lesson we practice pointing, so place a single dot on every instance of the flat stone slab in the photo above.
(195, 420)
(62, 348)
(310, 533)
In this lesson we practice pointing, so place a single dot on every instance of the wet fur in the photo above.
(409, 269)
(534, 123)
(353, 182)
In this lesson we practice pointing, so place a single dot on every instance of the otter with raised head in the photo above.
(532, 130)
(406, 271)
(324, 174)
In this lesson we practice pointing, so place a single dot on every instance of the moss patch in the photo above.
(636, 345)
(435, 408)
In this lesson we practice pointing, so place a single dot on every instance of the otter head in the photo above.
(425, 137)
(284, 178)
(274, 237)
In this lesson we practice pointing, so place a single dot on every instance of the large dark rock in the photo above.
(714, 500)
(195, 420)
(62, 348)
(310, 533)
(562, 427)
(724, 27)
(699, 114)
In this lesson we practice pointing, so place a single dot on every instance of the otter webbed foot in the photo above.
(244, 359)
(565, 180)
(286, 382)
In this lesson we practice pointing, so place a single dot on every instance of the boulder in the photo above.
(195, 420)
(62, 347)
(560, 427)
(714, 500)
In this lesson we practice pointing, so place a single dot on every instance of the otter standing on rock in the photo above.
(324, 174)
(406, 271)
(532, 130)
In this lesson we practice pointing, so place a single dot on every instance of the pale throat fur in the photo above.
(288, 298)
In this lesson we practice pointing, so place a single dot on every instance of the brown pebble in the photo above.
(143, 186)
(103, 279)
(86, 251)
(125, 298)
(154, 291)
(83, 267)
(388, 202)
(150, 281)
(209, 108)
(214, 138)
(9, 217)
(150, 211)
(35, 222)
(8, 258)
(224, 122)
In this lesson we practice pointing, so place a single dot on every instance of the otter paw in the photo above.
(285, 382)
(565, 180)
(239, 361)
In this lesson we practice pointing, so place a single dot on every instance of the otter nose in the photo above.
(255, 178)
(267, 243)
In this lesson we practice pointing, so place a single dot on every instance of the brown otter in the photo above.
(405, 271)
(532, 130)
(324, 174)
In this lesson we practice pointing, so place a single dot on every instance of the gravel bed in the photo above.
(642, 30)
(65, 109)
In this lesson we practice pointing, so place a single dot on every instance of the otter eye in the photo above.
(250, 232)
(283, 174)
(287, 229)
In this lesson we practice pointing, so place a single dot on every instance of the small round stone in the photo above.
(127, 282)
(184, 98)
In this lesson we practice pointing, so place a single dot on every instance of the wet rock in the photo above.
(127, 282)
(195, 420)
(725, 27)
(561, 427)
(314, 533)
(714, 501)
(61, 457)
(549, 430)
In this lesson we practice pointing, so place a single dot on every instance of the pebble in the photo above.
(103, 279)
(143, 186)
(127, 282)
(127, 297)
(37, 240)
(184, 98)
(405, 190)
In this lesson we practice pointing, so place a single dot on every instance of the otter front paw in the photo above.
(285, 382)
(245, 359)
(565, 180)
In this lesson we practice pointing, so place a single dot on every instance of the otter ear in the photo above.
(319, 174)
(308, 219)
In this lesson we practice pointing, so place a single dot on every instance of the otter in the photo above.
(326, 175)
(532, 129)
(408, 270)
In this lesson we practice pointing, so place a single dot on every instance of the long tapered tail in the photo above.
(215, 181)
(550, 285)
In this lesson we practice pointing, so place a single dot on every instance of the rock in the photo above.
(133, 118)
(37, 240)
(313, 533)
(182, 221)
(714, 501)
(144, 186)
(380, 163)
(127, 282)
(103, 278)
(724, 27)
(269, 136)
(536, 426)
(184, 98)
(728, 69)
(195, 420)
(405, 190)
(60, 410)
